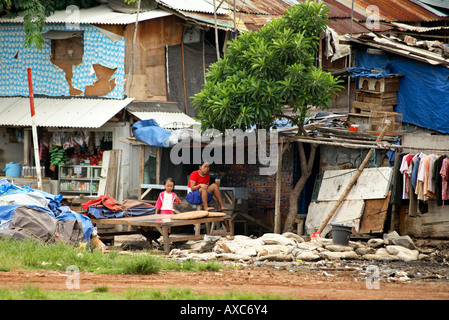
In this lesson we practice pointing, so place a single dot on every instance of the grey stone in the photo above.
(403, 253)
(375, 243)
(276, 239)
(338, 248)
(291, 235)
(308, 256)
(350, 255)
(380, 257)
(404, 241)
(388, 237)
(208, 243)
(365, 250)
(275, 257)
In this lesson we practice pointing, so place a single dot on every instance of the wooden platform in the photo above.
(163, 222)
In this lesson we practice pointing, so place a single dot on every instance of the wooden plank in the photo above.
(385, 99)
(138, 87)
(104, 173)
(156, 82)
(357, 105)
(349, 213)
(432, 224)
(277, 203)
(110, 173)
(373, 183)
(374, 215)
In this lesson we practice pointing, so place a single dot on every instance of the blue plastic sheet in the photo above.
(423, 89)
(67, 214)
(151, 133)
(53, 208)
(367, 72)
(101, 212)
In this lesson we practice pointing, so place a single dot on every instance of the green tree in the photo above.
(264, 72)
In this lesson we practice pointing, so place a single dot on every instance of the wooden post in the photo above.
(353, 180)
(141, 169)
(37, 160)
(277, 203)
(158, 164)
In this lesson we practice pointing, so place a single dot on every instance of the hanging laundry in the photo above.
(445, 177)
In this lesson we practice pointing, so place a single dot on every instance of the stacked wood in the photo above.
(376, 94)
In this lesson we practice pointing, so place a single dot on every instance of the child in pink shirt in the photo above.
(166, 198)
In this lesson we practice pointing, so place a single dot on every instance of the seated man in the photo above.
(199, 189)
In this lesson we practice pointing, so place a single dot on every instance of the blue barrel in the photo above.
(12, 169)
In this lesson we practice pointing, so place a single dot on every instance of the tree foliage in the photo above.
(34, 13)
(266, 70)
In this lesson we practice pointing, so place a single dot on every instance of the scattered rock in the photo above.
(388, 237)
(275, 257)
(423, 257)
(276, 239)
(294, 236)
(338, 248)
(350, 255)
(222, 247)
(365, 250)
(375, 243)
(307, 256)
(290, 247)
(404, 241)
(208, 243)
(380, 257)
(403, 253)
(273, 250)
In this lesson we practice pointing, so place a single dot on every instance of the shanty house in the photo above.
(82, 86)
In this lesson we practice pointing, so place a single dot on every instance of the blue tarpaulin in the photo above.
(423, 89)
(151, 133)
(104, 213)
(12, 197)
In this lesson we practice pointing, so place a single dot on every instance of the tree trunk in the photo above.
(306, 171)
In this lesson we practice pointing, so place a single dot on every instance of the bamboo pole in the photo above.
(277, 203)
(34, 131)
(353, 180)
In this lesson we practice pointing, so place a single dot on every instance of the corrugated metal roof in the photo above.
(205, 6)
(97, 15)
(54, 112)
(402, 49)
(406, 27)
(392, 10)
(167, 120)
(255, 13)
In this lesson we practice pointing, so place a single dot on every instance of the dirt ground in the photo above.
(334, 281)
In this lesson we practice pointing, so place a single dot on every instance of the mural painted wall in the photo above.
(100, 53)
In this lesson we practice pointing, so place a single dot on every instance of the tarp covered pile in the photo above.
(34, 214)
(105, 207)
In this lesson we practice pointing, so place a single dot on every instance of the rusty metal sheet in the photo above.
(397, 10)
(343, 26)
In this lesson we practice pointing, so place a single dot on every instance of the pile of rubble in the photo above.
(291, 247)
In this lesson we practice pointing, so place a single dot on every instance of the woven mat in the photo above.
(190, 215)
(216, 214)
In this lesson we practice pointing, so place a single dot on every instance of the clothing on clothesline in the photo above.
(445, 177)
(426, 175)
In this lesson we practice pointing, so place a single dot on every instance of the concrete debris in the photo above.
(291, 247)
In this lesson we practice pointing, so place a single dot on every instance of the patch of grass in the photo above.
(103, 288)
(143, 264)
(28, 292)
(32, 255)
(32, 292)
(192, 265)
